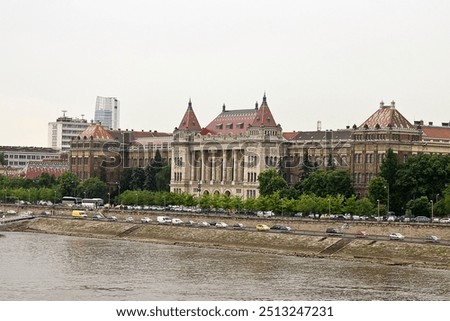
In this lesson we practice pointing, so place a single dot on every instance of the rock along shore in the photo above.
(384, 252)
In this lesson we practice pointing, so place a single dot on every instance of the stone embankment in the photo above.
(380, 251)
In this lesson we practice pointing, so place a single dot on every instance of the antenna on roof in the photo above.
(64, 112)
(82, 115)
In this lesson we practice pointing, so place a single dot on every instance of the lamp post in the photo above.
(432, 210)
(378, 209)
(199, 188)
(387, 187)
(109, 199)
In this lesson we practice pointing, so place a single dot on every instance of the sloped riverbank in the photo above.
(386, 252)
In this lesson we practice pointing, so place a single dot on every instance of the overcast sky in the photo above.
(332, 61)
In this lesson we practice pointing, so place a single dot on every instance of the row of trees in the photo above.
(47, 188)
(305, 203)
(414, 186)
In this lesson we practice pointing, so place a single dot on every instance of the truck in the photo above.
(163, 219)
(79, 214)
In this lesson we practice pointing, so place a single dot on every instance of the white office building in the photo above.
(61, 132)
(107, 112)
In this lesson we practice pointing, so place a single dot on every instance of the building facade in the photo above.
(102, 153)
(61, 132)
(107, 112)
(227, 155)
(18, 157)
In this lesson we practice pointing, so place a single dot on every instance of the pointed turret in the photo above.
(189, 121)
(96, 131)
(264, 115)
(386, 117)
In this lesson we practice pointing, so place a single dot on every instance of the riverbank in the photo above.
(385, 252)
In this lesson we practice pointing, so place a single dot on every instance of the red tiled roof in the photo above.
(189, 121)
(264, 116)
(96, 131)
(385, 117)
(436, 132)
(290, 135)
(37, 168)
(232, 121)
(237, 121)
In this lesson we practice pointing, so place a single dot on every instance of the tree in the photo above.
(270, 182)
(125, 179)
(378, 190)
(94, 187)
(46, 180)
(419, 206)
(154, 181)
(137, 178)
(328, 182)
(162, 179)
(67, 184)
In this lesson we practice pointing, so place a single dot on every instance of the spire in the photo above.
(189, 121)
(264, 116)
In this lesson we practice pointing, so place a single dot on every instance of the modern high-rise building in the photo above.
(61, 131)
(107, 112)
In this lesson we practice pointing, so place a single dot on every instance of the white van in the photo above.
(163, 219)
(176, 221)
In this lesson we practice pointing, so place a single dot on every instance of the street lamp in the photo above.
(329, 207)
(387, 187)
(199, 188)
(378, 206)
(431, 201)
(109, 199)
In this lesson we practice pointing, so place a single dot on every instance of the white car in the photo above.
(129, 219)
(432, 239)
(221, 225)
(145, 220)
(396, 236)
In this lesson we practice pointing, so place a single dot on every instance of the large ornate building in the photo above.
(227, 155)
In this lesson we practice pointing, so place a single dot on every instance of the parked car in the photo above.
(145, 220)
(432, 239)
(97, 217)
(361, 234)
(129, 219)
(203, 224)
(333, 231)
(221, 224)
(262, 227)
(444, 220)
(11, 212)
(176, 221)
(111, 218)
(279, 227)
(238, 225)
(422, 219)
(396, 236)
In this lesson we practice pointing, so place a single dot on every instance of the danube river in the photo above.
(53, 267)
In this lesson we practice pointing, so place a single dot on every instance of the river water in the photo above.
(54, 267)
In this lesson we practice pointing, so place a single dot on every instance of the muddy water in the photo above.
(53, 267)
